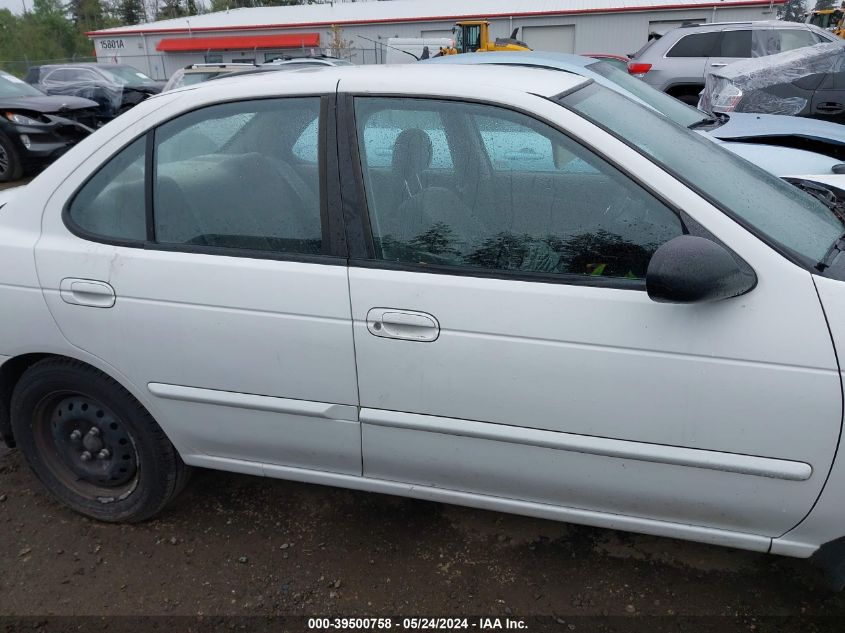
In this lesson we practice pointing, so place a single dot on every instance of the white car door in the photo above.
(506, 346)
(197, 260)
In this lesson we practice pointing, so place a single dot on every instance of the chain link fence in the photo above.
(161, 66)
(19, 67)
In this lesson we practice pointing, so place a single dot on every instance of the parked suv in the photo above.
(679, 61)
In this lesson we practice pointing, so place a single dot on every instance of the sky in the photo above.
(15, 5)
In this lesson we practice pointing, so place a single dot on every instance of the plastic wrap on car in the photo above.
(753, 76)
(108, 95)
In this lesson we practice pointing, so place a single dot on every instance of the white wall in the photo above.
(619, 33)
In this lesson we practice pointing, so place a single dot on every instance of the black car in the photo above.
(35, 129)
(807, 82)
(115, 87)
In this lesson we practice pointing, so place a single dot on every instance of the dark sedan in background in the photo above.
(115, 87)
(807, 82)
(35, 129)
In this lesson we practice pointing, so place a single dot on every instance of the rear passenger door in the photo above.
(200, 261)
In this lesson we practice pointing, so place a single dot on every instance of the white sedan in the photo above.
(566, 306)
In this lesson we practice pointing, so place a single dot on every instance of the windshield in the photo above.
(11, 86)
(678, 111)
(779, 211)
(126, 75)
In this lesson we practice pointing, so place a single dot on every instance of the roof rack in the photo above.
(691, 24)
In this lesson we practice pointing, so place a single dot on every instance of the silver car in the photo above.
(679, 61)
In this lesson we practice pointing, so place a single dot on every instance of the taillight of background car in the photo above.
(638, 69)
(727, 99)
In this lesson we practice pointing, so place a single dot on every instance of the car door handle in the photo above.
(87, 292)
(405, 325)
(718, 65)
(830, 107)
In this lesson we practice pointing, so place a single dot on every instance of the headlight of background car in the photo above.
(726, 99)
(21, 119)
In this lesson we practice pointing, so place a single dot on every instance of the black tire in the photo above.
(11, 167)
(55, 400)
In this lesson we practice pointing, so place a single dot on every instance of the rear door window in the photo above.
(697, 45)
(735, 44)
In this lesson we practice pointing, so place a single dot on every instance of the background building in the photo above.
(358, 31)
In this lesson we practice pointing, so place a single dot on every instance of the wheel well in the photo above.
(10, 372)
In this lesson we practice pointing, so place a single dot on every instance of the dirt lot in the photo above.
(9, 185)
(237, 545)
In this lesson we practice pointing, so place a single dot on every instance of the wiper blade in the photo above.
(824, 195)
(703, 123)
(832, 253)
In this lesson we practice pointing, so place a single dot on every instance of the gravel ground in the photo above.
(235, 545)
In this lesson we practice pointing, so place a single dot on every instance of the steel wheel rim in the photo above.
(86, 447)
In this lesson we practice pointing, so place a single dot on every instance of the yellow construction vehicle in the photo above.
(829, 19)
(474, 37)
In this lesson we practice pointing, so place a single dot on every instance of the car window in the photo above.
(549, 205)
(775, 209)
(11, 86)
(735, 44)
(678, 111)
(696, 45)
(305, 148)
(384, 127)
(88, 75)
(796, 38)
(227, 176)
(512, 146)
(111, 204)
(60, 75)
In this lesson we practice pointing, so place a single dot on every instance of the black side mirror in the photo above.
(689, 269)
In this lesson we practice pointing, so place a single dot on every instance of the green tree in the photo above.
(170, 9)
(131, 12)
(793, 11)
(87, 15)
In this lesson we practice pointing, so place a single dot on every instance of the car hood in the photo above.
(47, 104)
(783, 161)
(8, 194)
(151, 88)
(745, 125)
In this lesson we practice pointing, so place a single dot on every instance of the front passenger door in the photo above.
(506, 346)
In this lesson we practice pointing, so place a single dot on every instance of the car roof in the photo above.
(204, 68)
(325, 61)
(400, 79)
(577, 65)
(759, 24)
(560, 61)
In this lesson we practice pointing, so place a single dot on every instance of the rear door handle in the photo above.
(405, 325)
(718, 65)
(87, 292)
